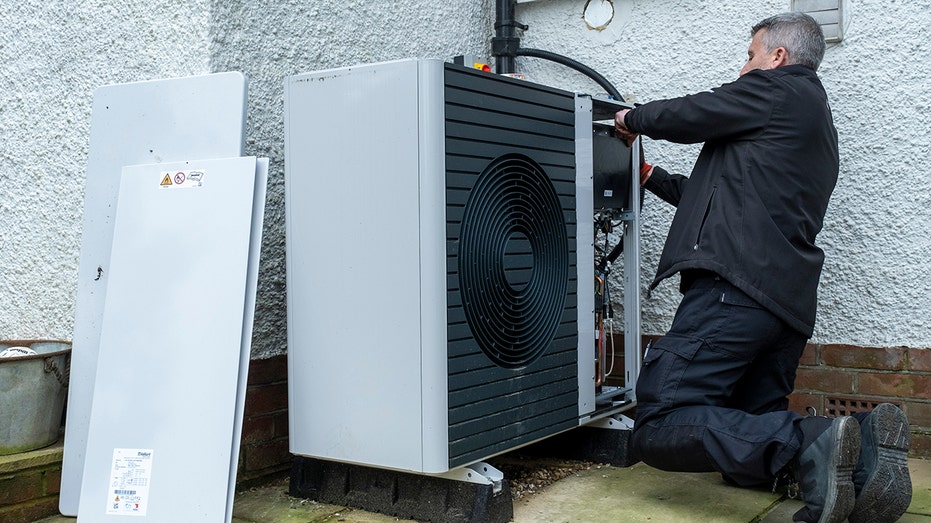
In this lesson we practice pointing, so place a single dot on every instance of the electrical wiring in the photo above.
(604, 317)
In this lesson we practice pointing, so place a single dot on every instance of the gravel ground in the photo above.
(528, 475)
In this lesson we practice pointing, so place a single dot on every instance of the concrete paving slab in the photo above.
(642, 493)
(920, 471)
(919, 511)
(596, 495)
(783, 511)
(57, 519)
(272, 504)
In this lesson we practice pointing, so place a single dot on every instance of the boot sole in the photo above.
(888, 490)
(847, 445)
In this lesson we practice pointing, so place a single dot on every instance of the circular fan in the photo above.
(513, 261)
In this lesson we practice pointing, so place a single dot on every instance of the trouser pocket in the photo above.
(663, 368)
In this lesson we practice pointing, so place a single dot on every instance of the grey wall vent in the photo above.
(828, 13)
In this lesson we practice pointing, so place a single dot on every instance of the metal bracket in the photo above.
(505, 45)
(480, 473)
(617, 422)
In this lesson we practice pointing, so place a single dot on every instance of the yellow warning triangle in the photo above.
(166, 180)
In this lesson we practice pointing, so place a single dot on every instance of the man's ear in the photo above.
(780, 57)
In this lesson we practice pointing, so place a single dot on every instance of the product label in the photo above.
(130, 476)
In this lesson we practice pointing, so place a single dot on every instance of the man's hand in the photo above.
(620, 128)
(623, 133)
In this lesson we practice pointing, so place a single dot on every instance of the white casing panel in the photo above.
(248, 319)
(392, 238)
(584, 197)
(136, 123)
(178, 307)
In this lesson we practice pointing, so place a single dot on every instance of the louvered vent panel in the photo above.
(511, 263)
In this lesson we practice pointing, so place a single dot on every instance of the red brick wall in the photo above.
(842, 379)
(29, 484)
(264, 451)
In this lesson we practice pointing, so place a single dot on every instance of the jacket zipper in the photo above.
(704, 218)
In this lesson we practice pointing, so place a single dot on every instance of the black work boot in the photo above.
(881, 479)
(824, 468)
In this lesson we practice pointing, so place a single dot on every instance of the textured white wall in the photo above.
(269, 41)
(53, 54)
(876, 285)
(64, 50)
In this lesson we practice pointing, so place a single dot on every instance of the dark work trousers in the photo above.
(712, 393)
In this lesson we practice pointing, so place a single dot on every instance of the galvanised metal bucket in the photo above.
(33, 390)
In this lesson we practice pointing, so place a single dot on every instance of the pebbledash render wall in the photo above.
(874, 291)
(876, 285)
(53, 54)
(874, 325)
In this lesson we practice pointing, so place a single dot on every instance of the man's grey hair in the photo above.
(798, 33)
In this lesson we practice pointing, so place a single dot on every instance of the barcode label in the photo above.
(129, 482)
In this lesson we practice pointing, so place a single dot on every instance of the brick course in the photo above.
(30, 482)
(863, 357)
(264, 452)
(919, 413)
(810, 355)
(853, 376)
(895, 384)
(921, 445)
(824, 380)
(29, 485)
(919, 360)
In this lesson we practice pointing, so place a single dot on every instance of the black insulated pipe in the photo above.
(578, 66)
(505, 46)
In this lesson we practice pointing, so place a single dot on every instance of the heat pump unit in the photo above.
(439, 264)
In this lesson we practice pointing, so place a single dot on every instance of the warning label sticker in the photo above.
(130, 476)
(182, 179)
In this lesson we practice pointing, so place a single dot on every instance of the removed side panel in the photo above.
(163, 416)
(137, 123)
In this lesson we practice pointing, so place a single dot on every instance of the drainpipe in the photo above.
(505, 43)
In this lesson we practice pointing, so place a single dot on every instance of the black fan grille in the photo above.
(513, 261)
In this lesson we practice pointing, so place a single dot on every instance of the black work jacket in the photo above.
(757, 195)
